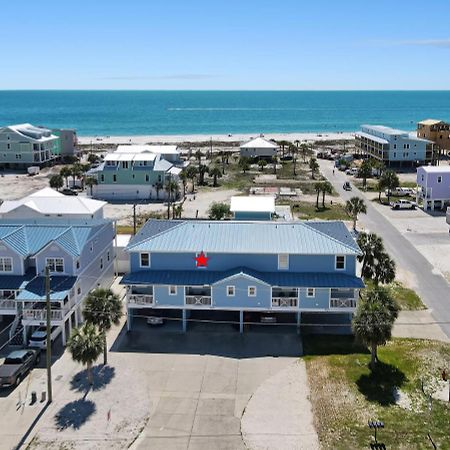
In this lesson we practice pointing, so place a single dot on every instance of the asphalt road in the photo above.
(431, 286)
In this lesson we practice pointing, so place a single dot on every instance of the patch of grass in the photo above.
(125, 229)
(345, 393)
(308, 211)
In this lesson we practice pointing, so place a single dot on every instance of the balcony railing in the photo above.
(198, 300)
(41, 314)
(342, 303)
(284, 302)
(8, 304)
(140, 299)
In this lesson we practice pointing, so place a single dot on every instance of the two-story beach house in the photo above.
(26, 145)
(136, 172)
(433, 186)
(258, 148)
(69, 235)
(395, 148)
(239, 268)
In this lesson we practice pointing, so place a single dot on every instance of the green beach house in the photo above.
(136, 172)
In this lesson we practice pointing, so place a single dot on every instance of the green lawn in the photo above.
(406, 298)
(345, 394)
(309, 211)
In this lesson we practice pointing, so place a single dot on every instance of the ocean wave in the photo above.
(238, 109)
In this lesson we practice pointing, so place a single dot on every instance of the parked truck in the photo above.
(16, 366)
(33, 170)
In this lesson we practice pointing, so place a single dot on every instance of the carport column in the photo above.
(241, 321)
(184, 321)
(129, 319)
(24, 333)
(70, 323)
(63, 328)
(299, 320)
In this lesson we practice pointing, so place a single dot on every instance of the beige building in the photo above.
(437, 131)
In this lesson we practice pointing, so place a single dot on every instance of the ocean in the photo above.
(123, 113)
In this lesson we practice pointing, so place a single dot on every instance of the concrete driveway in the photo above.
(199, 384)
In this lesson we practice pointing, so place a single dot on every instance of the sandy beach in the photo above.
(173, 139)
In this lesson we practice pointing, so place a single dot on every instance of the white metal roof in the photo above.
(123, 240)
(430, 122)
(372, 137)
(436, 169)
(29, 131)
(46, 202)
(254, 203)
(162, 149)
(259, 142)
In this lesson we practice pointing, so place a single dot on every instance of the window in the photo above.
(55, 264)
(6, 265)
(79, 291)
(230, 291)
(92, 247)
(108, 256)
(147, 178)
(252, 291)
(145, 259)
(8, 146)
(310, 292)
(124, 164)
(283, 261)
(114, 178)
(439, 180)
(395, 146)
(172, 290)
(18, 156)
(78, 264)
(101, 263)
(395, 155)
(102, 178)
(422, 177)
(340, 262)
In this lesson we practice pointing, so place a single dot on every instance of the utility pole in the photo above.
(49, 340)
(210, 147)
(134, 219)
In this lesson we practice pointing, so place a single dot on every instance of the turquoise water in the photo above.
(220, 112)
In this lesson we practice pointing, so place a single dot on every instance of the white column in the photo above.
(24, 334)
(299, 319)
(129, 319)
(70, 324)
(241, 321)
(184, 321)
(63, 333)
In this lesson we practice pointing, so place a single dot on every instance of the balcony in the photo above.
(284, 302)
(8, 306)
(140, 299)
(338, 303)
(41, 314)
(198, 300)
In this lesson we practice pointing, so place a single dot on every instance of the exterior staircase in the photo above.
(16, 332)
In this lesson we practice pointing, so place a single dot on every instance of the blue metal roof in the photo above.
(59, 288)
(15, 282)
(28, 239)
(200, 278)
(314, 238)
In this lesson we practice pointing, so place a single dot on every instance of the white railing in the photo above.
(8, 304)
(41, 314)
(140, 299)
(343, 302)
(198, 300)
(284, 302)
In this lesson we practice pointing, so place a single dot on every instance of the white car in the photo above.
(403, 204)
(39, 337)
(401, 191)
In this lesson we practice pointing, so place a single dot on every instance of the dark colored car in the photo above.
(347, 186)
(67, 191)
(16, 366)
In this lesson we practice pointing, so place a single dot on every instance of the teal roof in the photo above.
(29, 239)
(312, 238)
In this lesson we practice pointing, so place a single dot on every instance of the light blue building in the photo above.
(239, 268)
(80, 256)
(393, 147)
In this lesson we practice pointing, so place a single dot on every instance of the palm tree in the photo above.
(90, 182)
(183, 177)
(305, 149)
(318, 189)
(377, 265)
(327, 188)
(274, 162)
(86, 345)
(374, 319)
(56, 182)
(314, 166)
(262, 163)
(192, 173)
(244, 163)
(76, 172)
(171, 188)
(103, 309)
(294, 151)
(65, 172)
(158, 187)
(215, 172)
(198, 156)
(388, 180)
(354, 207)
(365, 171)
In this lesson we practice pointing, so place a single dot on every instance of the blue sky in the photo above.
(225, 44)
